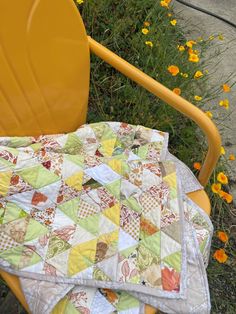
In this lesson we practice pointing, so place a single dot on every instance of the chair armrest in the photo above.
(177, 102)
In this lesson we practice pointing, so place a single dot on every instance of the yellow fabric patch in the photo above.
(81, 257)
(75, 181)
(61, 306)
(113, 213)
(108, 238)
(115, 165)
(108, 147)
(5, 178)
(171, 180)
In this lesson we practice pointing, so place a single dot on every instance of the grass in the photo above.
(117, 25)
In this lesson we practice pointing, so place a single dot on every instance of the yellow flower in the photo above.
(222, 150)
(164, 4)
(224, 103)
(80, 1)
(222, 236)
(220, 37)
(149, 43)
(193, 57)
(145, 31)
(180, 48)
(146, 24)
(177, 91)
(185, 75)
(197, 165)
(211, 37)
(173, 22)
(198, 74)
(169, 14)
(190, 43)
(222, 178)
(209, 114)
(173, 69)
(226, 88)
(220, 256)
(198, 98)
(231, 157)
(216, 188)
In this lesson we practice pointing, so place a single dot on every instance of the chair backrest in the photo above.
(44, 67)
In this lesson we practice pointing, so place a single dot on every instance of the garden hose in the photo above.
(207, 12)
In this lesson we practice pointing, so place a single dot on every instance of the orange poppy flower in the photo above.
(222, 236)
(231, 157)
(226, 196)
(146, 24)
(220, 256)
(222, 178)
(177, 91)
(173, 69)
(226, 88)
(197, 165)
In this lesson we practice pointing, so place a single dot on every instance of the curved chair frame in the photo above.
(177, 102)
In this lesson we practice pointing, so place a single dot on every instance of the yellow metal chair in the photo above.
(44, 82)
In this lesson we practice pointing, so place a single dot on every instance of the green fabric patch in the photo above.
(34, 230)
(91, 223)
(114, 188)
(126, 253)
(36, 147)
(70, 208)
(73, 144)
(153, 243)
(13, 212)
(174, 261)
(132, 203)
(38, 176)
(56, 246)
(76, 159)
(126, 301)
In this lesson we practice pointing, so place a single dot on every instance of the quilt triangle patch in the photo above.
(113, 213)
(38, 176)
(107, 266)
(81, 256)
(56, 246)
(91, 223)
(114, 188)
(5, 179)
(70, 208)
(75, 181)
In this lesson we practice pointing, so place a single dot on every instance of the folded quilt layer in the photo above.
(97, 221)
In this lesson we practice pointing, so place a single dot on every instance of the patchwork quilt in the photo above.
(98, 221)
